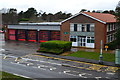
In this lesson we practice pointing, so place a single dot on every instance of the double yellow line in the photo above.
(92, 66)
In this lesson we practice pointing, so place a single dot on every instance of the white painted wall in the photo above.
(90, 45)
(74, 44)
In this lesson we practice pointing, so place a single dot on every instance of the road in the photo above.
(35, 67)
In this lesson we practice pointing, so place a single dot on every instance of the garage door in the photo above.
(44, 36)
(11, 34)
(31, 35)
(55, 35)
(21, 35)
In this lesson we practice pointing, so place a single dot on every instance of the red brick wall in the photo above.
(100, 34)
(65, 27)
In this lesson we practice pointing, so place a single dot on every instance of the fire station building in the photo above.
(84, 29)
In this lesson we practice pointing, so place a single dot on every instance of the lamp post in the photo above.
(101, 56)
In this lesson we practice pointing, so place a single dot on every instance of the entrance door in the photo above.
(82, 41)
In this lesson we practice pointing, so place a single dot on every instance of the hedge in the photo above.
(56, 47)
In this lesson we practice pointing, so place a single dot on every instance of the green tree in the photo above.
(10, 17)
(118, 25)
(31, 12)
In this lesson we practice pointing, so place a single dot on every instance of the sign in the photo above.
(106, 46)
(65, 32)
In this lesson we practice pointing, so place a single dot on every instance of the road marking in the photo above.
(111, 73)
(114, 69)
(2, 50)
(98, 77)
(20, 75)
(5, 57)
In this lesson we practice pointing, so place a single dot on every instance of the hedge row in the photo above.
(55, 47)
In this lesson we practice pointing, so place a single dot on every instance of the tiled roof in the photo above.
(101, 17)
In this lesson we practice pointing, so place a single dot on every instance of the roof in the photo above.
(101, 17)
(42, 23)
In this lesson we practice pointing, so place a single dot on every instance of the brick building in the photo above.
(35, 32)
(84, 29)
(87, 29)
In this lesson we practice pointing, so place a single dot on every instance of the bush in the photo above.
(55, 47)
(112, 45)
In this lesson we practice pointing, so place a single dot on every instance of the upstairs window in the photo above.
(75, 27)
(88, 27)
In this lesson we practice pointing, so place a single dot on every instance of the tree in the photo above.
(44, 16)
(83, 10)
(106, 11)
(31, 12)
(118, 25)
(10, 17)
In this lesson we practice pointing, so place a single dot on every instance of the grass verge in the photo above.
(93, 55)
(8, 76)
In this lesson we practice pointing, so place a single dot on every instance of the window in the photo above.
(108, 39)
(75, 27)
(71, 27)
(88, 27)
(83, 28)
(90, 39)
(79, 27)
(73, 38)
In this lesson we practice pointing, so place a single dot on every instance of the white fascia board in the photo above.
(84, 15)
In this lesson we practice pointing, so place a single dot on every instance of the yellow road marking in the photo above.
(92, 66)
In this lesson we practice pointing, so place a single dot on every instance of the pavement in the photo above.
(77, 59)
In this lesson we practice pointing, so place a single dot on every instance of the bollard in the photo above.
(117, 57)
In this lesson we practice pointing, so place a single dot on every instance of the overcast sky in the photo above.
(53, 6)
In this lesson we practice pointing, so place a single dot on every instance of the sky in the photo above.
(54, 6)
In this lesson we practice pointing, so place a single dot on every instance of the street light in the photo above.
(101, 56)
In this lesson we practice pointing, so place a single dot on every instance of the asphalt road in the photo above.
(42, 67)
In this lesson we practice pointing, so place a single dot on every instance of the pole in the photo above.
(101, 56)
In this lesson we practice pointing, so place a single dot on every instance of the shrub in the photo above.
(112, 45)
(55, 47)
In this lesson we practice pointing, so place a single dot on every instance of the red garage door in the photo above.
(55, 35)
(21, 35)
(31, 35)
(11, 34)
(43, 36)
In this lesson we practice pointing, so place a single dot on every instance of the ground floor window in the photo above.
(90, 39)
(110, 37)
(73, 38)
(83, 41)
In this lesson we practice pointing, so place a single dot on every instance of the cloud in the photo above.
(53, 6)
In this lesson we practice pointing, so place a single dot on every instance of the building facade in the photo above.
(84, 29)
(35, 32)
(88, 29)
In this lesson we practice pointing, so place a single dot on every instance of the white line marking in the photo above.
(20, 75)
(111, 73)
(98, 77)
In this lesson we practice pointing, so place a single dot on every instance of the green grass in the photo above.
(8, 76)
(93, 55)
